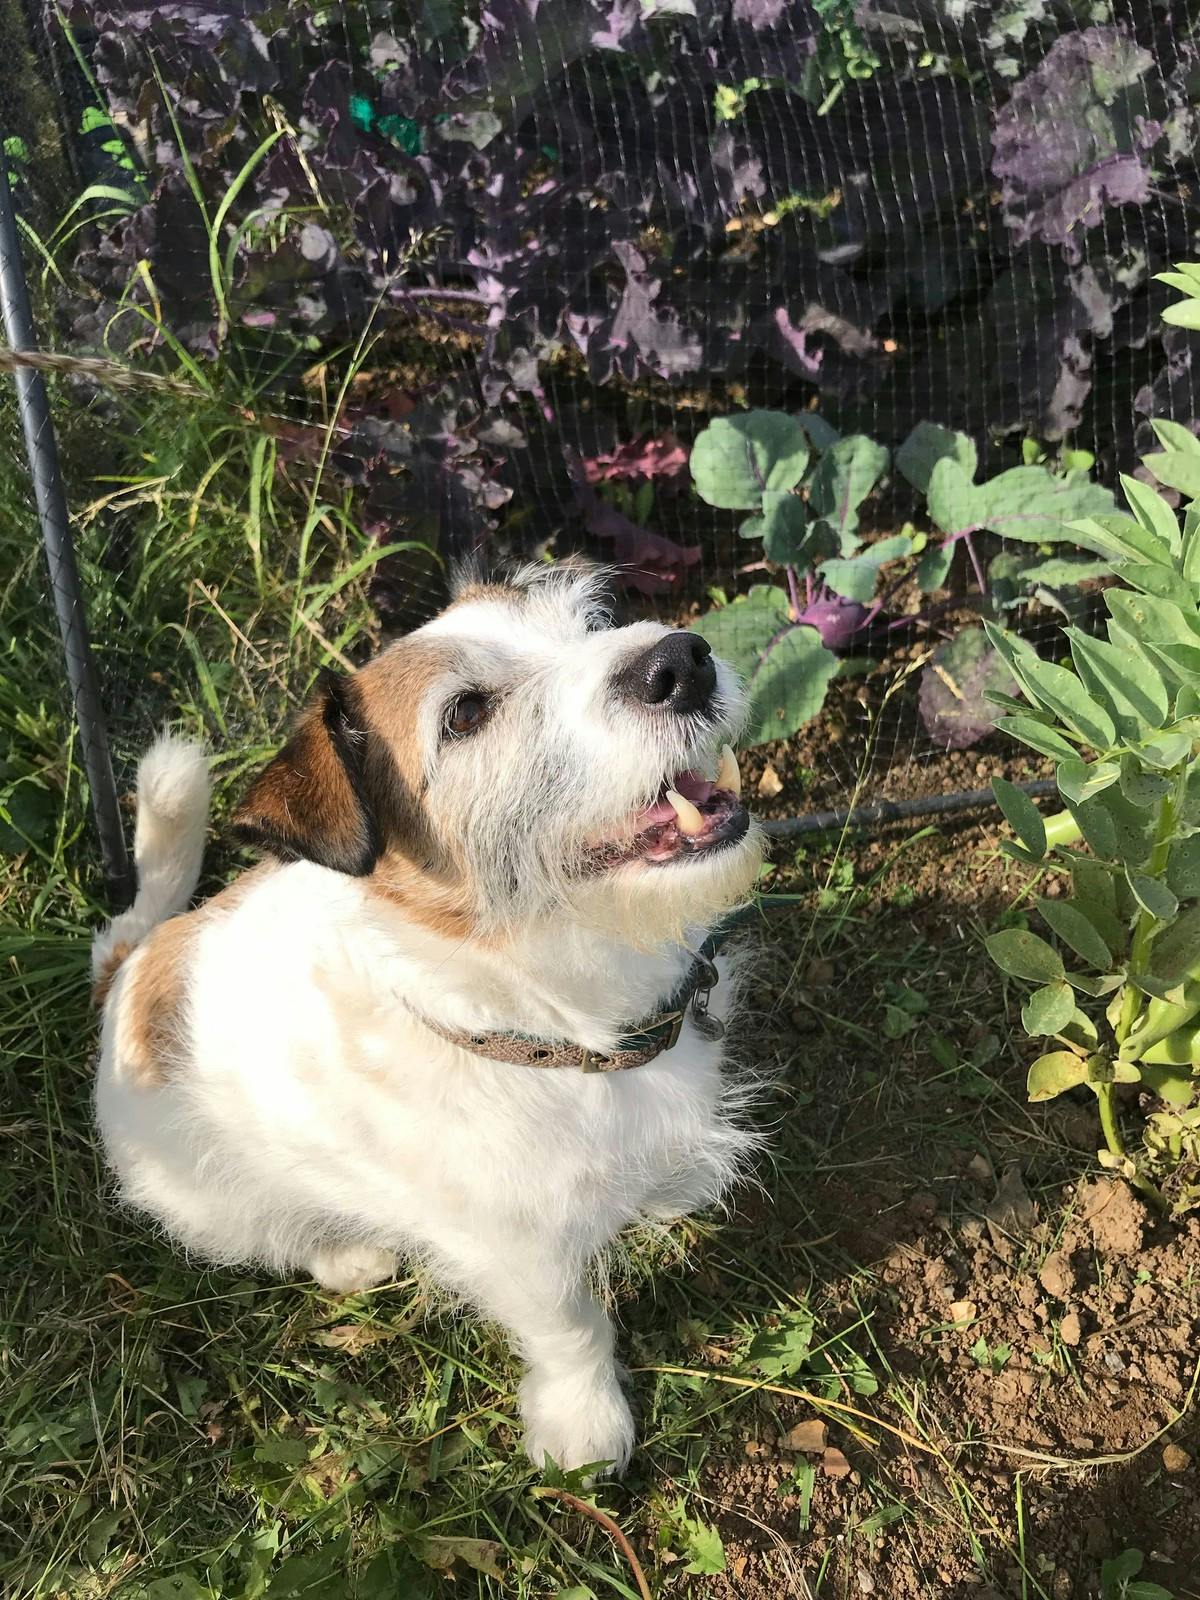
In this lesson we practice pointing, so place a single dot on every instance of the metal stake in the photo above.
(42, 452)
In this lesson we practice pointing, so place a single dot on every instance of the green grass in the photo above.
(169, 1431)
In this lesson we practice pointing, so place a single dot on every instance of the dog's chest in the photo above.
(481, 1136)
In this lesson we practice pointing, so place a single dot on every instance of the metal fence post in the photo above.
(42, 451)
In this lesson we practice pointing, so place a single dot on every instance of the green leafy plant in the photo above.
(696, 1541)
(1184, 313)
(1122, 721)
(804, 487)
(992, 1359)
(1119, 1580)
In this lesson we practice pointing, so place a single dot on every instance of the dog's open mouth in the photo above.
(691, 815)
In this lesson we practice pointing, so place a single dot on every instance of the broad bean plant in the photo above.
(1116, 997)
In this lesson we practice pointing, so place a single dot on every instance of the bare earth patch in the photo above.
(1032, 1326)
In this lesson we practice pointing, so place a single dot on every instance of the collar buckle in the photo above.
(707, 1026)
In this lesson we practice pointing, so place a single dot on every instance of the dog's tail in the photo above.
(172, 811)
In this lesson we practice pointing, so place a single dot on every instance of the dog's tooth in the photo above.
(686, 815)
(729, 774)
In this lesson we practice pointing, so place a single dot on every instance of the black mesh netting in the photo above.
(487, 274)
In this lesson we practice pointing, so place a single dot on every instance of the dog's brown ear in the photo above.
(312, 802)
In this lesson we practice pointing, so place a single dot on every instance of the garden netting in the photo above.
(502, 266)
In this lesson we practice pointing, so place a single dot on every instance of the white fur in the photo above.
(173, 789)
(313, 1123)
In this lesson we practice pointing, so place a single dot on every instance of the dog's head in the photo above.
(520, 756)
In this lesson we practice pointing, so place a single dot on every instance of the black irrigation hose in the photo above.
(42, 451)
(896, 810)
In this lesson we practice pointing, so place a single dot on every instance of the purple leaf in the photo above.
(663, 457)
(648, 562)
(1071, 140)
(951, 696)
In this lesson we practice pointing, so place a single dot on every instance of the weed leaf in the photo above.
(1024, 955)
(1049, 1009)
(1053, 1074)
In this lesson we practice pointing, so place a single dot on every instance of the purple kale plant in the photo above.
(900, 212)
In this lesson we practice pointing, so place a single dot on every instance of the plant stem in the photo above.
(1132, 998)
(794, 592)
(1147, 923)
(1107, 1101)
(975, 562)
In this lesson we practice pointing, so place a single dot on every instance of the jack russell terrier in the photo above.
(461, 1012)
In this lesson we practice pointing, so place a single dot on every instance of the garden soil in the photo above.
(1044, 1325)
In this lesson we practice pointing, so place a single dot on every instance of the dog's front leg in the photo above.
(572, 1403)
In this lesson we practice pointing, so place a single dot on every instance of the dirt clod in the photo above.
(1175, 1458)
(770, 783)
(1012, 1212)
(834, 1463)
(1057, 1276)
(1069, 1329)
(1115, 1215)
(807, 1438)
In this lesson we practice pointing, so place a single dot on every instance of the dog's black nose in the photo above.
(676, 674)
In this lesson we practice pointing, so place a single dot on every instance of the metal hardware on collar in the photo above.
(709, 1027)
(655, 1036)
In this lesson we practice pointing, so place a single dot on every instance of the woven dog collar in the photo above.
(651, 1039)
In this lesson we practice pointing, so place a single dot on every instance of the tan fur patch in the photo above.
(439, 904)
(475, 593)
(391, 691)
(305, 794)
(150, 1027)
(412, 873)
(109, 967)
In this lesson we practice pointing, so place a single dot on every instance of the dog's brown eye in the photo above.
(466, 714)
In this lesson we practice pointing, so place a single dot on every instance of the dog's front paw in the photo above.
(349, 1268)
(577, 1418)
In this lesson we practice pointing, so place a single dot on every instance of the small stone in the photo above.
(962, 1312)
(1175, 1458)
(979, 1168)
(1069, 1329)
(807, 1438)
(1095, 1534)
(937, 1272)
(866, 1583)
(1057, 1275)
(923, 1206)
(1012, 1213)
(834, 1463)
(770, 783)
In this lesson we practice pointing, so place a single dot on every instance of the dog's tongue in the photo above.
(691, 785)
